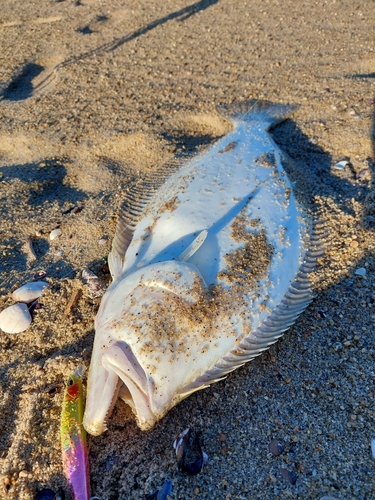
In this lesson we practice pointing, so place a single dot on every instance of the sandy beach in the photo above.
(94, 95)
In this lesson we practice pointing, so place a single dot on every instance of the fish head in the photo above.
(150, 332)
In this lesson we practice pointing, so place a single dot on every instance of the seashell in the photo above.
(29, 292)
(161, 494)
(96, 288)
(190, 456)
(55, 234)
(341, 165)
(39, 275)
(361, 271)
(15, 319)
(45, 494)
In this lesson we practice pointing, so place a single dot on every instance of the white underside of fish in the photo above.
(208, 271)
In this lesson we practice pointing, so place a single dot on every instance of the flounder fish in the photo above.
(210, 265)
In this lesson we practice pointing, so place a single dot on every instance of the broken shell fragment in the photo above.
(96, 288)
(55, 234)
(161, 494)
(39, 275)
(29, 292)
(15, 319)
(190, 456)
(361, 271)
(45, 494)
(341, 165)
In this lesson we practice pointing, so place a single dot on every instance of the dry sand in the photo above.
(93, 93)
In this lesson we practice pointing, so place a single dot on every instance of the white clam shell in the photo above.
(54, 234)
(15, 319)
(341, 165)
(29, 292)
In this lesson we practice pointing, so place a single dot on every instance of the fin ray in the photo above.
(256, 110)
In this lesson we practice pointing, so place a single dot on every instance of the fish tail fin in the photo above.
(256, 110)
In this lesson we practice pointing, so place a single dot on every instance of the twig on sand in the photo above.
(76, 294)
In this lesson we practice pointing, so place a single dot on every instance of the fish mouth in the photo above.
(120, 375)
(102, 394)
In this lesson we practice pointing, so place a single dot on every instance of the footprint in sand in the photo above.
(32, 78)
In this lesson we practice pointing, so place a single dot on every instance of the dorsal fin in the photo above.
(138, 195)
(296, 299)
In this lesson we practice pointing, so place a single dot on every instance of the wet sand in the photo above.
(93, 94)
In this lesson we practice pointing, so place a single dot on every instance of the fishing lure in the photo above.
(73, 438)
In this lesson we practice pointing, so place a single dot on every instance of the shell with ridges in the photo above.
(15, 319)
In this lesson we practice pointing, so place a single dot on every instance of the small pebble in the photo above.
(39, 275)
(371, 102)
(102, 241)
(364, 175)
(289, 476)
(45, 494)
(29, 292)
(353, 112)
(329, 498)
(275, 447)
(55, 234)
(361, 271)
(15, 319)
(341, 165)
(111, 461)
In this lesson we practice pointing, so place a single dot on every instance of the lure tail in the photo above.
(73, 438)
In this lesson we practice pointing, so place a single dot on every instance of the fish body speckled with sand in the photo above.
(210, 266)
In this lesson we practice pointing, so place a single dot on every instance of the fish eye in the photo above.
(70, 381)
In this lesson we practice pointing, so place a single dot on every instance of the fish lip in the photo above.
(102, 392)
(137, 386)
(94, 428)
(118, 374)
